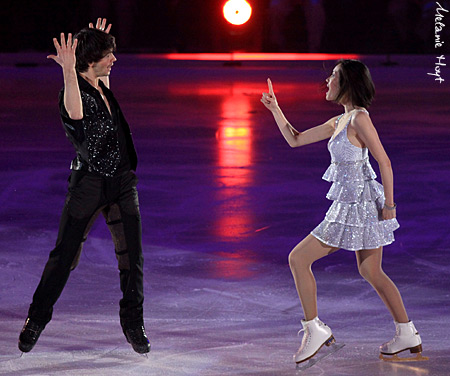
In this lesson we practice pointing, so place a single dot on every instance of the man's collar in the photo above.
(86, 86)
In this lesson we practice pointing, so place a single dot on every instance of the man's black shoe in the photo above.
(138, 339)
(29, 335)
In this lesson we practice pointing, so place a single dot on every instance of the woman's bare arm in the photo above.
(368, 134)
(293, 137)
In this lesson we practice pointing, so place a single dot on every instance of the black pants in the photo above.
(89, 195)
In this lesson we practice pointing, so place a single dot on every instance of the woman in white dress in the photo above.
(362, 215)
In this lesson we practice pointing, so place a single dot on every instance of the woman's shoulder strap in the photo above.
(361, 110)
(337, 120)
(356, 110)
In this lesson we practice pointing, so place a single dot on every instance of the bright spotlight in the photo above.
(237, 12)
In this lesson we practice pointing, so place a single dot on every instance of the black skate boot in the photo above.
(29, 335)
(138, 339)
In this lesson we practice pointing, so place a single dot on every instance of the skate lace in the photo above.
(396, 337)
(307, 331)
(303, 329)
(138, 335)
(305, 340)
(33, 327)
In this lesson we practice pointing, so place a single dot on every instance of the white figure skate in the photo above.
(316, 334)
(406, 338)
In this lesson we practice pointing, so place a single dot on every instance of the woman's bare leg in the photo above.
(301, 258)
(369, 265)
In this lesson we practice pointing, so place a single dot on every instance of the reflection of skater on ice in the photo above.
(362, 215)
(102, 180)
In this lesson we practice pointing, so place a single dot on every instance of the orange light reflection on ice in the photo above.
(245, 92)
(234, 156)
(233, 219)
(236, 265)
(234, 138)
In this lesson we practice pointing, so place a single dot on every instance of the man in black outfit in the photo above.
(102, 180)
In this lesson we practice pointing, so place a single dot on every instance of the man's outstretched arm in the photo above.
(66, 59)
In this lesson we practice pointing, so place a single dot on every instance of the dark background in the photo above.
(158, 26)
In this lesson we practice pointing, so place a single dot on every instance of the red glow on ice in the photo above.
(244, 56)
(237, 265)
(234, 174)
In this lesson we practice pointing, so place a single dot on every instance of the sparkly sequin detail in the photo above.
(353, 221)
(101, 137)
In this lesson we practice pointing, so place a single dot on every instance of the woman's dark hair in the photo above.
(93, 45)
(355, 83)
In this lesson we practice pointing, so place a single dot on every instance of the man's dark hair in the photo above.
(355, 83)
(93, 45)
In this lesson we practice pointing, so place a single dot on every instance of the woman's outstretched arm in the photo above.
(293, 137)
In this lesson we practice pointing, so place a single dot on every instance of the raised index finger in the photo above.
(270, 86)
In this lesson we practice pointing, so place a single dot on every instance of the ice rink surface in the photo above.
(223, 200)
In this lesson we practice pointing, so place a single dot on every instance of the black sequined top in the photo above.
(101, 139)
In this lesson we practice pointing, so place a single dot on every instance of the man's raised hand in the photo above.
(65, 52)
(101, 25)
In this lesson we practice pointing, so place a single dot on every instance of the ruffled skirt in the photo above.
(354, 220)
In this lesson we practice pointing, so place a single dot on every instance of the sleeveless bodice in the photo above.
(342, 150)
(350, 170)
(348, 162)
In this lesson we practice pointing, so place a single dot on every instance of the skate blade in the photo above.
(330, 349)
(396, 358)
